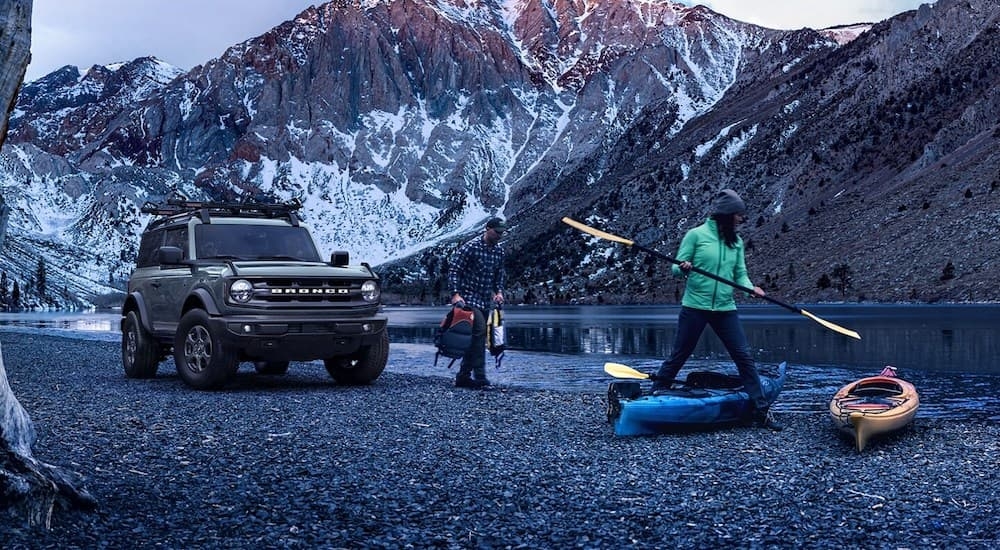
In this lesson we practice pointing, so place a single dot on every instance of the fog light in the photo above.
(247, 329)
(367, 327)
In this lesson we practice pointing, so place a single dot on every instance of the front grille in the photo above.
(305, 292)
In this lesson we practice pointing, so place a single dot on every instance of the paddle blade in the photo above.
(831, 326)
(619, 370)
(597, 232)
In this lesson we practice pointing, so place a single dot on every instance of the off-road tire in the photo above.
(140, 354)
(271, 368)
(363, 366)
(202, 360)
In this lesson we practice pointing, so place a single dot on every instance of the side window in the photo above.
(177, 236)
(147, 249)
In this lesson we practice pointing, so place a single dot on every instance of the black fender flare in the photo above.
(135, 302)
(202, 299)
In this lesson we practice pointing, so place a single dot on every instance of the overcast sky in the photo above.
(816, 14)
(185, 33)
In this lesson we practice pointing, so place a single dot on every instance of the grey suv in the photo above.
(221, 283)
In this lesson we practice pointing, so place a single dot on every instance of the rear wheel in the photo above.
(362, 366)
(140, 355)
(203, 361)
(271, 368)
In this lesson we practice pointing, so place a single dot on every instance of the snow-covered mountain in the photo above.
(396, 123)
(403, 125)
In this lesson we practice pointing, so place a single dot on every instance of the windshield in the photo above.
(254, 242)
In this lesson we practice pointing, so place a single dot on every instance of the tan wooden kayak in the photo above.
(874, 405)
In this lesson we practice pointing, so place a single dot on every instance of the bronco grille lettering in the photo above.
(310, 291)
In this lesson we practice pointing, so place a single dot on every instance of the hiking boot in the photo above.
(479, 377)
(468, 382)
(764, 418)
(660, 384)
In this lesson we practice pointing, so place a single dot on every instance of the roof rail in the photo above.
(176, 205)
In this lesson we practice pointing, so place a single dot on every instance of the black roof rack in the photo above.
(178, 206)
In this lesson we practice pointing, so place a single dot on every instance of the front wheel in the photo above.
(202, 360)
(140, 355)
(362, 366)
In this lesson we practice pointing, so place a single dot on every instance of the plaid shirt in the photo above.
(477, 273)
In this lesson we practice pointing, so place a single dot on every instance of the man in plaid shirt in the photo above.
(477, 278)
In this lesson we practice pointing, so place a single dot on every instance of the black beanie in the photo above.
(728, 202)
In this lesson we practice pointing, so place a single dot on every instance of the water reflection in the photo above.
(89, 322)
(951, 353)
(930, 338)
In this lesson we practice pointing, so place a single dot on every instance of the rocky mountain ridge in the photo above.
(871, 172)
(404, 125)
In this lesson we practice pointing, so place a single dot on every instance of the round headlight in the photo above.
(241, 291)
(370, 291)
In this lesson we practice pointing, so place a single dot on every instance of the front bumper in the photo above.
(298, 339)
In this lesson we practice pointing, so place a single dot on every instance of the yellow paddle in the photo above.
(619, 370)
(627, 242)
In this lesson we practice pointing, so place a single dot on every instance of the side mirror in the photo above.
(340, 258)
(169, 255)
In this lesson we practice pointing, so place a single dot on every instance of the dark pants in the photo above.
(474, 362)
(726, 325)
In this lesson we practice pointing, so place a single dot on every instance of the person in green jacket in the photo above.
(716, 247)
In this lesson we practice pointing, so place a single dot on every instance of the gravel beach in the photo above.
(300, 462)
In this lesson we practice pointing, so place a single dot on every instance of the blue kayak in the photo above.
(704, 400)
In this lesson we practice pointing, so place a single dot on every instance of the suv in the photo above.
(221, 283)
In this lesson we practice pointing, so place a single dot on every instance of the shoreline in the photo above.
(299, 462)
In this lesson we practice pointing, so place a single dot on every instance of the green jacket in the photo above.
(703, 246)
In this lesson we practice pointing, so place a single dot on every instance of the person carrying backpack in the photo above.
(477, 278)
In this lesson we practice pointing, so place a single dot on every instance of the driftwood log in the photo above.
(15, 52)
(29, 488)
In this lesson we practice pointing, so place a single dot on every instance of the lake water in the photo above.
(926, 338)
(950, 352)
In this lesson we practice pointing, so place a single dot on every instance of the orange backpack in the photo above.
(454, 335)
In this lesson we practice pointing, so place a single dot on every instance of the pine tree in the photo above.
(823, 282)
(4, 292)
(15, 297)
(948, 272)
(40, 278)
(845, 279)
